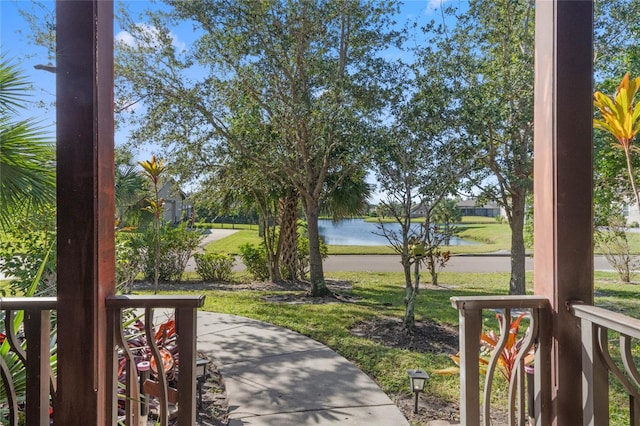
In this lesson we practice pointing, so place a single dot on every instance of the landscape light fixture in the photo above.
(201, 376)
(143, 374)
(417, 380)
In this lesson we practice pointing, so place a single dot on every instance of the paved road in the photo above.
(477, 263)
(391, 263)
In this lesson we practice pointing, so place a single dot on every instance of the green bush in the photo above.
(176, 245)
(130, 259)
(255, 259)
(214, 266)
(21, 255)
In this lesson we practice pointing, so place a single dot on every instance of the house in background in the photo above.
(470, 207)
(632, 214)
(175, 206)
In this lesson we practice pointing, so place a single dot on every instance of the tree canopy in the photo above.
(295, 88)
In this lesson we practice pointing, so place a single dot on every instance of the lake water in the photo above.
(357, 232)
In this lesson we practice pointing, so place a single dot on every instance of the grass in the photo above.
(380, 295)
(232, 243)
(493, 236)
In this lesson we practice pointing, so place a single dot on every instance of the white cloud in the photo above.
(433, 5)
(125, 38)
(150, 36)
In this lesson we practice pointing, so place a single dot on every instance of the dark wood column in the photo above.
(563, 150)
(86, 212)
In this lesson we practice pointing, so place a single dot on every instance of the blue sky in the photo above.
(15, 43)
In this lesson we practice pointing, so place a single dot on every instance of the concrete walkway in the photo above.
(277, 377)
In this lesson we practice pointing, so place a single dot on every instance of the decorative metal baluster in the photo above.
(132, 395)
(517, 376)
(162, 378)
(7, 379)
(632, 371)
(493, 362)
(603, 343)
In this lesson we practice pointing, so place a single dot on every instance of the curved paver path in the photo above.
(277, 377)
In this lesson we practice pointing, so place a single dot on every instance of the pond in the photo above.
(357, 232)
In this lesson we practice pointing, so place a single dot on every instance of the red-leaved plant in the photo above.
(489, 342)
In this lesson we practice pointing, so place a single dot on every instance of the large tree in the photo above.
(418, 163)
(306, 71)
(486, 60)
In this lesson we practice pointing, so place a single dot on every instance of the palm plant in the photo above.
(129, 190)
(27, 181)
(154, 170)
(622, 119)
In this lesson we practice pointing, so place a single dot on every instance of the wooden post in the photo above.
(86, 212)
(186, 323)
(470, 327)
(37, 325)
(563, 213)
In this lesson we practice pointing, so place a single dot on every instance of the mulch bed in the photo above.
(426, 336)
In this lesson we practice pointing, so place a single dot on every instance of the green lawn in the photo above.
(380, 295)
(232, 243)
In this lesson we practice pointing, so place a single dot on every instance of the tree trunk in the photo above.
(411, 291)
(517, 282)
(268, 240)
(432, 268)
(316, 273)
(289, 235)
(409, 320)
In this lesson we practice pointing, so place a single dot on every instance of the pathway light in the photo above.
(201, 376)
(417, 380)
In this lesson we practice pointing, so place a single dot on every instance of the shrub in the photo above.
(255, 259)
(130, 259)
(176, 245)
(21, 257)
(214, 266)
(613, 243)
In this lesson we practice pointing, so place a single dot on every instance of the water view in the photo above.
(357, 232)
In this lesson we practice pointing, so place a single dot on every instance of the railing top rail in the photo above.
(19, 303)
(499, 302)
(606, 318)
(164, 301)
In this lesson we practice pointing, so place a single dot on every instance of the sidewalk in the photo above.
(276, 377)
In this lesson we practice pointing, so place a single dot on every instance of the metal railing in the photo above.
(597, 326)
(29, 383)
(473, 410)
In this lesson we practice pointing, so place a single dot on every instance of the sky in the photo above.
(16, 44)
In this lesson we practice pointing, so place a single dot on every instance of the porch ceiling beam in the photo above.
(563, 219)
(86, 212)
